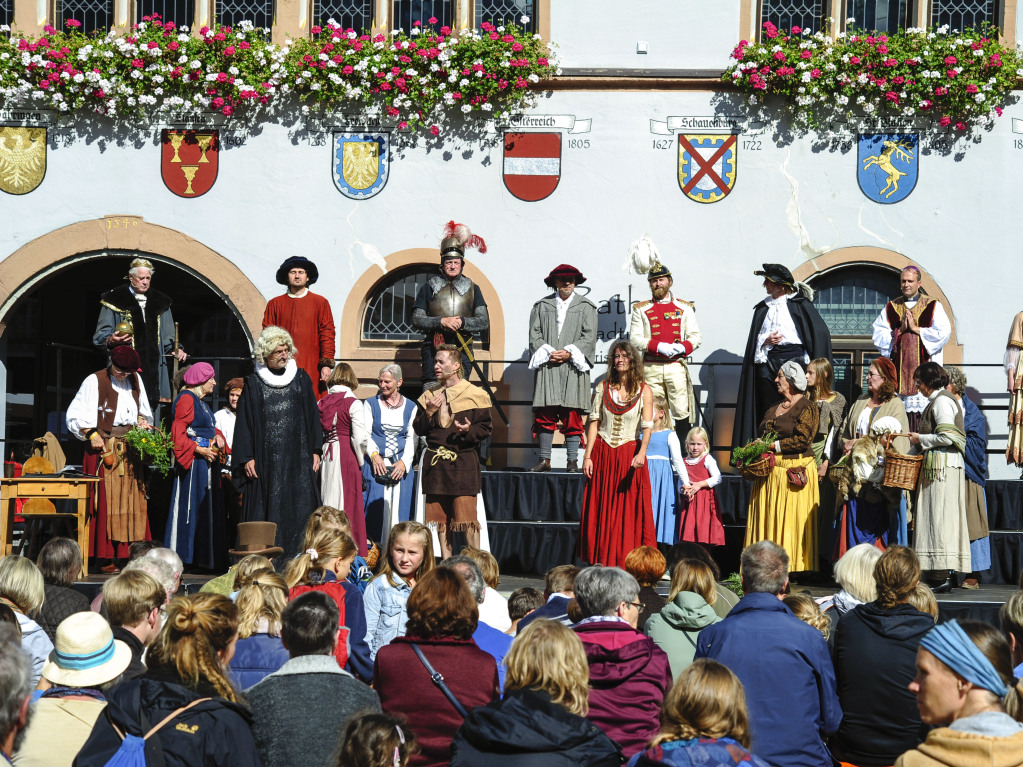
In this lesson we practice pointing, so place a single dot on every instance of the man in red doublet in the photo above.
(307, 317)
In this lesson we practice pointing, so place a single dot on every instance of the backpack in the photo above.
(132, 751)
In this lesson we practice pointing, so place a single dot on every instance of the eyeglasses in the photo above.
(874, 375)
(638, 605)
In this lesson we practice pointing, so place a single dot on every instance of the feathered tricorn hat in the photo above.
(644, 258)
(458, 237)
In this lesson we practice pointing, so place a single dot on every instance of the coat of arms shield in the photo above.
(532, 164)
(360, 163)
(707, 164)
(189, 161)
(22, 158)
(887, 165)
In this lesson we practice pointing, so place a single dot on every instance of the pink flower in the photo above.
(316, 30)
(434, 130)
(940, 90)
(891, 62)
(892, 96)
(960, 126)
(138, 63)
(516, 47)
(217, 102)
(995, 60)
(945, 121)
(797, 30)
(805, 54)
(854, 59)
(998, 111)
(779, 56)
(222, 77)
(971, 88)
(228, 110)
(229, 50)
(882, 49)
(432, 20)
(456, 95)
(99, 93)
(347, 69)
(770, 30)
(951, 73)
(173, 45)
(815, 73)
(417, 23)
(73, 23)
(926, 105)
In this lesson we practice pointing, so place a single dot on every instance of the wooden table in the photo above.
(54, 488)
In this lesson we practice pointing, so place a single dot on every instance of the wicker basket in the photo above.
(901, 471)
(758, 469)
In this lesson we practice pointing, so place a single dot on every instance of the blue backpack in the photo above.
(132, 751)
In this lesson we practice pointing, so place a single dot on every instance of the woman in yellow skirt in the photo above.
(784, 506)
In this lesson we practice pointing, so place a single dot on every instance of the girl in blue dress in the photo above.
(664, 462)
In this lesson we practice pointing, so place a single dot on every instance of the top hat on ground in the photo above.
(299, 262)
(257, 538)
(776, 273)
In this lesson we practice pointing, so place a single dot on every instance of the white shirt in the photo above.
(778, 320)
(83, 412)
(391, 419)
(709, 463)
(933, 338)
(543, 355)
(360, 434)
(225, 419)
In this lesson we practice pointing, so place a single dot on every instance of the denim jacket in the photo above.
(385, 611)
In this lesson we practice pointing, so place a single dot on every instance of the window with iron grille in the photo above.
(347, 14)
(389, 311)
(6, 15)
(181, 12)
(964, 14)
(879, 15)
(499, 12)
(408, 12)
(850, 299)
(92, 14)
(234, 12)
(786, 14)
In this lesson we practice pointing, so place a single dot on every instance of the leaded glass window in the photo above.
(879, 15)
(850, 299)
(407, 12)
(347, 14)
(786, 14)
(234, 12)
(963, 14)
(6, 15)
(504, 11)
(181, 12)
(92, 14)
(389, 313)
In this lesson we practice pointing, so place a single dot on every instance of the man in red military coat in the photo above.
(307, 317)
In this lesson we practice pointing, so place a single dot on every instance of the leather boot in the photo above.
(572, 467)
(544, 464)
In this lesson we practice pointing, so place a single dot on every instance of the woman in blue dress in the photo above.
(392, 444)
(196, 527)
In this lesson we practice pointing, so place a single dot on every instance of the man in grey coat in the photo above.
(562, 343)
(298, 711)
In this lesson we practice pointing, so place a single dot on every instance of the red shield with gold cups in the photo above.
(189, 160)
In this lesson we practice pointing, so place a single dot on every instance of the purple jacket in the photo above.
(629, 676)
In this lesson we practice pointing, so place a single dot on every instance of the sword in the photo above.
(467, 351)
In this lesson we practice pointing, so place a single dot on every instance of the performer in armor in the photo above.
(664, 330)
(911, 330)
(562, 342)
(449, 305)
(786, 326)
(307, 318)
(137, 315)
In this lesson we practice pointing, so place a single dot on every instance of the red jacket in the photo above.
(404, 686)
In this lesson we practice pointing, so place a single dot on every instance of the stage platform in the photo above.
(534, 521)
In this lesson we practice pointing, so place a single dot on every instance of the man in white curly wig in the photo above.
(277, 440)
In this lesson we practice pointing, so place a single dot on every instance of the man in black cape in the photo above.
(786, 326)
(278, 441)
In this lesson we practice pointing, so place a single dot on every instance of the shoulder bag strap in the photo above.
(438, 680)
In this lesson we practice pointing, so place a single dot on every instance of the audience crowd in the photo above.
(304, 663)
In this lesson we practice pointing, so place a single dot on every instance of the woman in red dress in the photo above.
(617, 515)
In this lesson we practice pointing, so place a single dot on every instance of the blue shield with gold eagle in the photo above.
(361, 162)
(887, 165)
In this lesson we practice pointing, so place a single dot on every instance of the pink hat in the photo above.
(199, 373)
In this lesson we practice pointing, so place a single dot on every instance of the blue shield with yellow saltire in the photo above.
(887, 165)
(707, 164)
(361, 162)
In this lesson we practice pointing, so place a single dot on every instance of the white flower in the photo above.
(78, 78)
(195, 64)
(979, 98)
(842, 99)
(868, 108)
(466, 108)
(752, 100)
(486, 107)
(524, 20)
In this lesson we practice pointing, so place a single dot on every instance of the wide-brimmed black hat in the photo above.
(777, 273)
(301, 262)
(564, 272)
(658, 270)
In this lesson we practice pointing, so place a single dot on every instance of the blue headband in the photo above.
(83, 661)
(950, 644)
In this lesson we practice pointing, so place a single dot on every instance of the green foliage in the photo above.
(734, 584)
(152, 446)
(754, 449)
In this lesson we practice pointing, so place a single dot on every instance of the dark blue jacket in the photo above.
(556, 609)
(255, 657)
(976, 442)
(786, 669)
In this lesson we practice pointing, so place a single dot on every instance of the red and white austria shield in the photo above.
(532, 164)
(189, 160)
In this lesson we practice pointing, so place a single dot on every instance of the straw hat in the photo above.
(86, 653)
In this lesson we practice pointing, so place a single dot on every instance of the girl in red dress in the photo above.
(617, 515)
(701, 513)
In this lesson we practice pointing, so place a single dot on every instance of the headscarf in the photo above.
(795, 375)
(951, 645)
(886, 368)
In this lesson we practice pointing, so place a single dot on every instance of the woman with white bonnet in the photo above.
(965, 687)
(196, 528)
(784, 505)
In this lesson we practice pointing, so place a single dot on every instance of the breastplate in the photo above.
(447, 302)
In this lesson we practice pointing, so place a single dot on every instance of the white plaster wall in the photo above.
(680, 34)
(274, 197)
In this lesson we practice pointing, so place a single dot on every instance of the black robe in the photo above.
(816, 338)
(146, 340)
(279, 428)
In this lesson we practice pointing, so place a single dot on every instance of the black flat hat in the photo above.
(302, 263)
(776, 273)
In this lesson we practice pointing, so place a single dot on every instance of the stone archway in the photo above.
(36, 260)
(871, 256)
